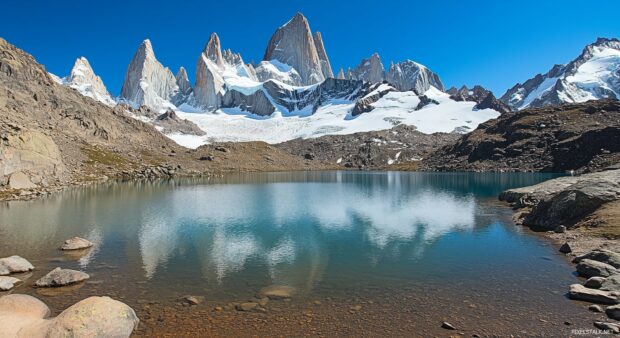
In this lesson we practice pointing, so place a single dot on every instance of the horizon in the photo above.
(457, 63)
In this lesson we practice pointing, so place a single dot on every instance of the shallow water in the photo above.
(437, 236)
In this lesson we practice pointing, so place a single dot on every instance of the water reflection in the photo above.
(278, 228)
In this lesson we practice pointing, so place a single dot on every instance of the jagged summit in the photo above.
(83, 79)
(410, 75)
(370, 69)
(593, 75)
(293, 44)
(213, 49)
(148, 82)
(185, 87)
(326, 67)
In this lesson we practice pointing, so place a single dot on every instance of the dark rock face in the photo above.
(483, 97)
(582, 137)
(171, 123)
(369, 150)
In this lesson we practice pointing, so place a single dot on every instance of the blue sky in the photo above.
(492, 43)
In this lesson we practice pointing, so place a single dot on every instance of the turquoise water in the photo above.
(324, 233)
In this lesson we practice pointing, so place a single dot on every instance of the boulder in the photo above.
(613, 312)
(580, 292)
(19, 180)
(7, 283)
(594, 282)
(61, 277)
(26, 316)
(611, 327)
(248, 306)
(611, 283)
(565, 248)
(590, 268)
(277, 292)
(601, 255)
(14, 264)
(76, 243)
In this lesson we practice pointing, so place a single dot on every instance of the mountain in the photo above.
(410, 75)
(593, 75)
(293, 44)
(148, 82)
(326, 67)
(83, 79)
(370, 69)
(484, 98)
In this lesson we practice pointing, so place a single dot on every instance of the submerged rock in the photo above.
(14, 264)
(76, 243)
(580, 292)
(61, 277)
(26, 316)
(277, 292)
(591, 268)
(7, 283)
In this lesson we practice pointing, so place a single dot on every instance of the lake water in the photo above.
(440, 238)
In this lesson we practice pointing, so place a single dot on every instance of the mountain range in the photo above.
(293, 93)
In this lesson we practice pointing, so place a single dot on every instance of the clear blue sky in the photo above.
(492, 43)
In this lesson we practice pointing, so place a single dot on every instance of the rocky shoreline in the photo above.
(574, 212)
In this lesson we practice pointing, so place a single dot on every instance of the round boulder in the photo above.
(61, 277)
(76, 243)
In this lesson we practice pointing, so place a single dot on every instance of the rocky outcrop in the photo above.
(581, 137)
(185, 87)
(275, 70)
(257, 102)
(213, 50)
(592, 75)
(373, 94)
(171, 123)
(580, 292)
(591, 268)
(601, 255)
(484, 98)
(83, 79)
(370, 70)
(292, 44)
(326, 66)
(26, 316)
(409, 75)
(148, 82)
(340, 74)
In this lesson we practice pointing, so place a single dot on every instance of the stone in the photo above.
(447, 326)
(590, 268)
(19, 180)
(277, 292)
(595, 308)
(594, 282)
(14, 264)
(20, 312)
(61, 277)
(565, 248)
(193, 300)
(611, 327)
(580, 292)
(613, 312)
(611, 283)
(602, 255)
(560, 229)
(76, 243)
(263, 301)
(248, 306)
(7, 283)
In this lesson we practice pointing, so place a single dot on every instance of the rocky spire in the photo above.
(370, 69)
(213, 50)
(148, 82)
(326, 67)
(410, 75)
(293, 44)
(84, 80)
(183, 81)
(350, 75)
(340, 74)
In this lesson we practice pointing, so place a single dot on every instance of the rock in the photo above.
(595, 308)
(560, 229)
(611, 327)
(370, 70)
(170, 123)
(277, 292)
(611, 283)
(326, 67)
(292, 44)
(594, 282)
(185, 87)
(410, 75)
(601, 255)
(21, 312)
(613, 312)
(565, 248)
(263, 301)
(61, 277)
(76, 243)
(447, 326)
(248, 306)
(7, 283)
(19, 180)
(193, 300)
(590, 268)
(355, 308)
(580, 292)
(14, 264)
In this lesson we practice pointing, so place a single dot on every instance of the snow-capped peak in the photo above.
(83, 79)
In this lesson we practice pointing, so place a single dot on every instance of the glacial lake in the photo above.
(440, 240)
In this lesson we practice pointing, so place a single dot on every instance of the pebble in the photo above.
(447, 326)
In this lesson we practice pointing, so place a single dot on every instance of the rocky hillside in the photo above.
(582, 137)
(400, 147)
(52, 135)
